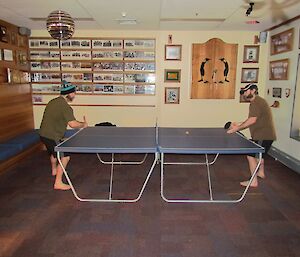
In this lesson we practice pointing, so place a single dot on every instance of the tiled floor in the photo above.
(36, 221)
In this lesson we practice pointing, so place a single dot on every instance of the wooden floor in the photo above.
(36, 221)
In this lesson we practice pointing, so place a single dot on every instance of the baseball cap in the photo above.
(67, 88)
(249, 86)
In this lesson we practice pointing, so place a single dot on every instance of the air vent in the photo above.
(127, 21)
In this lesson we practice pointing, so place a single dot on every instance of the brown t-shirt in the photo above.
(55, 119)
(263, 128)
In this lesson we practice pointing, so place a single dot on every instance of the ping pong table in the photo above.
(158, 141)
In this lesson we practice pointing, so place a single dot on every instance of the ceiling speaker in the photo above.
(24, 31)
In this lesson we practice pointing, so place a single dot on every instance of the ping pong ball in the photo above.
(187, 132)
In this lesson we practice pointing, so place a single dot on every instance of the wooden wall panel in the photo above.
(16, 112)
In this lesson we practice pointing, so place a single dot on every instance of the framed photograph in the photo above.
(139, 66)
(108, 55)
(279, 69)
(251, 54)
(107, 43)
(249, 75)
(282, 42)
(14, 38)
(277, 92)
(172, 75)
(8, 55)
(3, 34)
(172, 95)
(173, 52)
(141, 55)
(139, 43)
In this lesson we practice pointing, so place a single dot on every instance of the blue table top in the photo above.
(150, 140)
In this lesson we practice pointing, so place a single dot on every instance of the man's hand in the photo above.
(233, 128)
(85, 124)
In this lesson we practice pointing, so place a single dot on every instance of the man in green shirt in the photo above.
(261, 126)
(57, 116)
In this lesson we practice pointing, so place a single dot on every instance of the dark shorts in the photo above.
(266, 144)
(50, 145)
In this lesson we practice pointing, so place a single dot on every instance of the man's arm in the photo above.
(246, 124)
(78, 124)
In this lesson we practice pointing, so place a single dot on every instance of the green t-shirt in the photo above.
(55, 119)
(263, 128)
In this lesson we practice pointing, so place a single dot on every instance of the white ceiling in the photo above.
(154, 14)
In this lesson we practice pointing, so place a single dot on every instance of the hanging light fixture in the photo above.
(60, 25)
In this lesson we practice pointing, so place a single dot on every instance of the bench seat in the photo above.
(13, 148)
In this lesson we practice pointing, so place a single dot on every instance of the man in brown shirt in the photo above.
(57, 116)
(261, 126)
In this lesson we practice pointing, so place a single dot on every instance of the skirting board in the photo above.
(285, 159)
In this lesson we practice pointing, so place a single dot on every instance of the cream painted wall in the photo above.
(283, 115)
(190, 112)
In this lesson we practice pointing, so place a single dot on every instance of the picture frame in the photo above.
(14, 38)
(279, 69)
(249, 75)
(172, 75)
(43, 43)
(172, 95)
(8, 55)
(282, 42)
(173, 52)
(107, 43)
(139, 43)
(277, 91)
(251, 54)
(3, 34)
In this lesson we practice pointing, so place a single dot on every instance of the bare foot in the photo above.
(245, 183)
(261, 175)
(61, 186)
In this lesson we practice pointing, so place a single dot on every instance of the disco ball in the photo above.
(60, 25)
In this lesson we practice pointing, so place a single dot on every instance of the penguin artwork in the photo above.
(202, 71)
(226, 69)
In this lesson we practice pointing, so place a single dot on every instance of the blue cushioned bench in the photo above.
(17, 146)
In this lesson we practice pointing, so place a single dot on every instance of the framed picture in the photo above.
(14, 38)
(251, 54)
(277, 92)
(8, 55)
(249, 75)
(282, 42)
(173, 52)
(172, 95)
(172, 75)
(3, 34)
(279, 69)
